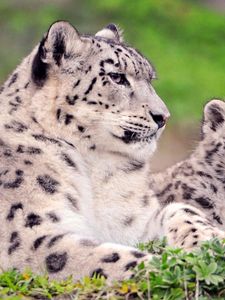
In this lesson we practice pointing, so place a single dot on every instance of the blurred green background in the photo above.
(184, 39)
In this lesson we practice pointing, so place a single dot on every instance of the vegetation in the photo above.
(183, 39)
(172, 275)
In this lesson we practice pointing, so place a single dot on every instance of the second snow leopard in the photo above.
(198, 181)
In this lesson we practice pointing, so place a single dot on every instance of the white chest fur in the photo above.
(123, 204)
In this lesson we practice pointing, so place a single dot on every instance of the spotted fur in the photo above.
(74, 150)
(77, 115)
(199, 182)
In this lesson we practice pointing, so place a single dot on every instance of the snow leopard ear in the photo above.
(61, 39)
(111, 32)
(214, 115)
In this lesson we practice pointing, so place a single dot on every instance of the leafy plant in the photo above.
(171, 275)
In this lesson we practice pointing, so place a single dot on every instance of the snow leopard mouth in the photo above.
(133, 137)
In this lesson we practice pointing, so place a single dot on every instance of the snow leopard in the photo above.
(79, 121)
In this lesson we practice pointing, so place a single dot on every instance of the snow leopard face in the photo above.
(102, 89)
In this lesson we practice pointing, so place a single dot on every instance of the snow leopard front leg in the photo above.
(186, 226)
(64, 254)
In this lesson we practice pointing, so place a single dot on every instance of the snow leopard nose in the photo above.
(160, 119)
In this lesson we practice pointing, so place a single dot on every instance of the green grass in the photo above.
(172, 274)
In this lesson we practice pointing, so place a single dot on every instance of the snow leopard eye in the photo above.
(119, 78)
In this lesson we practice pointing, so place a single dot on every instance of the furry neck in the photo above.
(212, 154)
